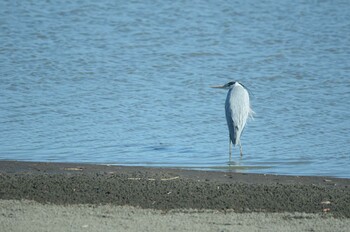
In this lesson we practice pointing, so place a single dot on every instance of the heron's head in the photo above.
(226, 86)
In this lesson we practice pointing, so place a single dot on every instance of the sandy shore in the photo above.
(29, 216)
(102, 198)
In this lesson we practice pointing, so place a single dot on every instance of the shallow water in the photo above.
(127, 83)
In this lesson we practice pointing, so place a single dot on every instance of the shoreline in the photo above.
(83, 197)
(167, 189)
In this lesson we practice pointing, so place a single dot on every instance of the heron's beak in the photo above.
(217, 87)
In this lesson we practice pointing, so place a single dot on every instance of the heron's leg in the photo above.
(240, 148)
(230, 149)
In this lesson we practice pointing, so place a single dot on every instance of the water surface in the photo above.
(127, 83)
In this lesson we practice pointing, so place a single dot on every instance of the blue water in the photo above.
(127, 83)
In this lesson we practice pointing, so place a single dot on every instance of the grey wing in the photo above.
(231, 126)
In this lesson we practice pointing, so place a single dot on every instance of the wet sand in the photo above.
(169, 193)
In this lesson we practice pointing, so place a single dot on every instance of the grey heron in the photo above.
(238, 110)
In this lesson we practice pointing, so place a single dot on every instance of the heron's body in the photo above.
(238, 110)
